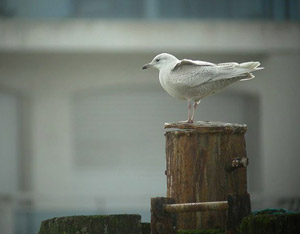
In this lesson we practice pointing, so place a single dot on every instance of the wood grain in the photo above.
(196, 158)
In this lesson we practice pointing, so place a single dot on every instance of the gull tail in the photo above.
(237, 70)
(248, 76)
(253, 66)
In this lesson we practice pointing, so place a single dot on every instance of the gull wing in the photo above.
(193, 73)
(232, 70)
(192, 62)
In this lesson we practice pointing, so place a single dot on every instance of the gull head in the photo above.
(161, 61)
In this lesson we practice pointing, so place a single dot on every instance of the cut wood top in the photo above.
(208, 127)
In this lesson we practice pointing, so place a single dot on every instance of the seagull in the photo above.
(192, 80)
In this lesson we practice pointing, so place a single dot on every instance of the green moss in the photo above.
(146, 228)
(94, 224)
(203, 231)
(276, 223)
(273, 211)
(270, 221)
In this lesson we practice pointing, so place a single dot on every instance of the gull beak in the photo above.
(147, 65)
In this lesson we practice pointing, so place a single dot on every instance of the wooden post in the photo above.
(198, 157)
(193, 207)
(162, 222)
(108, 224)
(238, 208)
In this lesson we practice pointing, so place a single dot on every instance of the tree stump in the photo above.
(201, 167)
(93, 224)
(162, 222)
(271, 222)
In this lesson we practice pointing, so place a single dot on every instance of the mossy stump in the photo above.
(281, 223)
(94, 224)
(146, 228)
(199, 157)
(203, 231)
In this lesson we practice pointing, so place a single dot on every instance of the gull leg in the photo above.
(194, 109)
(189, 120)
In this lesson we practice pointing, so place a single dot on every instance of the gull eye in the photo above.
(157, 60)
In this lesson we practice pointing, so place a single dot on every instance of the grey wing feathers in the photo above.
(193, 73)
(231, 64)
(248, 65)
(192, 62)
(242, 70)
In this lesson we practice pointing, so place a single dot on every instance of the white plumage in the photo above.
(193, 80)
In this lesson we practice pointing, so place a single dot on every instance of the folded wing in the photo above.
(194, 73)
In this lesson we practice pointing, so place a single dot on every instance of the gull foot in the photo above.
(187, 121)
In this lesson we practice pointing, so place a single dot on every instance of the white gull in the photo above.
(193, 80)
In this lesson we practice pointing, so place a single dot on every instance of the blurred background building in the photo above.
(81, 125)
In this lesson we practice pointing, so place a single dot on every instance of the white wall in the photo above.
(148, 36)
(280, 135)
(9, 158)
(9, 141)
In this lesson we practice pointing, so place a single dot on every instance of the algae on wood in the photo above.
(94, 224)
(203, 231)
(146, 228)
(284, 223)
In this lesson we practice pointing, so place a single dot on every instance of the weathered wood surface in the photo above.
(268, 223)
(193, 207)
(162, 222)
(209, 127)
(239, 207)
(163, 210)
(197, 155)
(93, 224)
